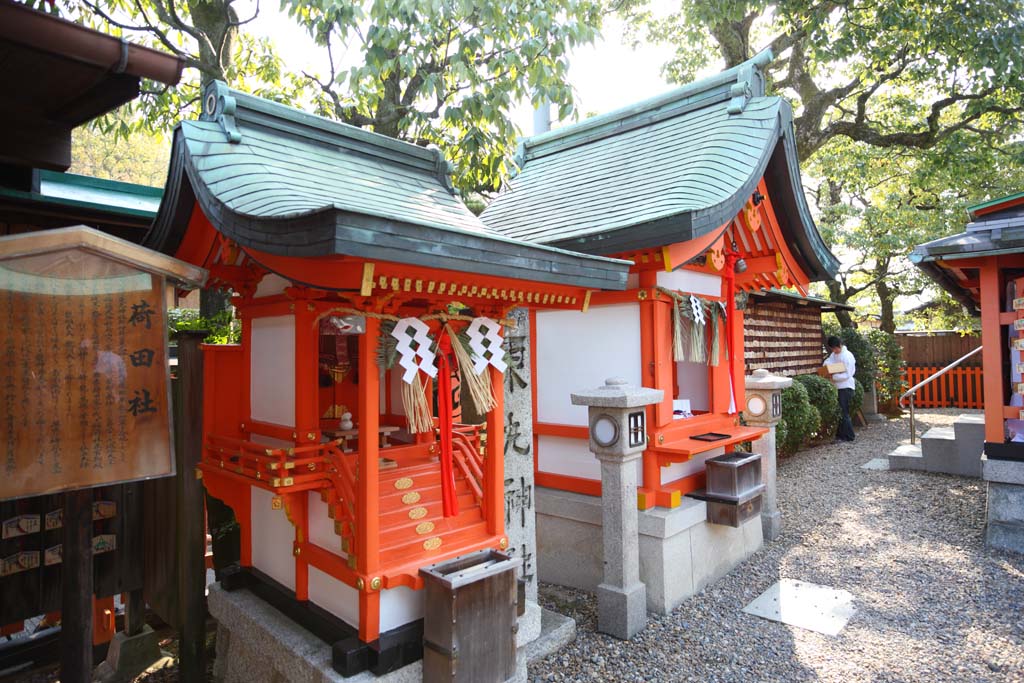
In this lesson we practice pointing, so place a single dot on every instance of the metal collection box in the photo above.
(469, 623)
(733, 476)
(729, 513)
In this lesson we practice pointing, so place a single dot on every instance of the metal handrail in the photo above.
(928, 380)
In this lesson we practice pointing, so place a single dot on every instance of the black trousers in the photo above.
(845, 431)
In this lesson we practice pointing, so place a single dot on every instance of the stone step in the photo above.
(944, 453)
(970, 432)
(906, 457)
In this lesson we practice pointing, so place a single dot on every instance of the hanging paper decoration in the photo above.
(477, 385)
(697, 306)
(483, 330)
(414, 348)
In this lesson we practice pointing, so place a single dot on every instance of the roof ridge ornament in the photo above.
(443, 167)
(749, 81)
(219, 106)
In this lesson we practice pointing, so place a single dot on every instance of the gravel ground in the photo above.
(932, 603)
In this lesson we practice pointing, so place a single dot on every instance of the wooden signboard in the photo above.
(84, 391)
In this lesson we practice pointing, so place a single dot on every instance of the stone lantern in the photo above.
(763, 408)
(618, 437)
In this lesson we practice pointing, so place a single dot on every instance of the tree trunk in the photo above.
(886, 297)
(836, 294)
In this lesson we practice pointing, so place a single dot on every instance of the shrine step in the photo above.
(423, 549)
(411, 531)
(395, 515)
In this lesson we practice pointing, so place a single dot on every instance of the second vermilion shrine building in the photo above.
(700, 190)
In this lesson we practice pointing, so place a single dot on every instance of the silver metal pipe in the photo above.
(913, 390)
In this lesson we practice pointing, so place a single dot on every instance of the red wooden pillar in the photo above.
(992, 354)
(367, 539)
(307, 424)
(494, 463)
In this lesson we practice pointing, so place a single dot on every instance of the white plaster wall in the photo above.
(272, 391)
(691, 282)
(336, 597)
(578, 350)
(321, 526)
(569, 457)
(399, 606)
(678, 470)
(693, 384)
(272, 536)
(271, 284)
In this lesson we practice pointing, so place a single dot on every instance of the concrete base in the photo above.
(621, 612)
(946, 450)
(1005, 528)
(680, 552)
(258, 644)
(129, 656)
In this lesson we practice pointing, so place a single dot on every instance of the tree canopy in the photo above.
(445, 72)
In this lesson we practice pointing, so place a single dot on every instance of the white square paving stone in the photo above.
(876, 464)
(805, 605)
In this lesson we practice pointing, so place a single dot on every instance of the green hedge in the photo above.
(824, 397)
(890, 366)
(800, 420)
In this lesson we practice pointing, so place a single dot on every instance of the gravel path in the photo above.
(932, 603)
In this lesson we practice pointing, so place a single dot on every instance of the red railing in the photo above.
(959, 388)
(467, 459)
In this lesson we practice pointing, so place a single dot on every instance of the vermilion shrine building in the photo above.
(700, 190)
(332, 239)
(983, 268)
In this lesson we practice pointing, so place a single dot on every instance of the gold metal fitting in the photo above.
(642, 295)
(376, 583)
(199, 473)
(661, 438)
(295, 435)
(243, 426)
(503, 543)
(310, 307)
(297, 551)
(360, 584)
(310, 435)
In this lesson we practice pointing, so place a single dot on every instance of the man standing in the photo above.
(844, 383)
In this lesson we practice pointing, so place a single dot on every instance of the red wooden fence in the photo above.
(959, 388)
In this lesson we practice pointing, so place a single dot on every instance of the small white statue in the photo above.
(346, 421)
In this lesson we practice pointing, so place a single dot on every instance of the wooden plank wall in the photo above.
(782, 337)
(938, 349)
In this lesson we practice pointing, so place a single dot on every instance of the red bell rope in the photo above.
(446, 424)
(730, 314)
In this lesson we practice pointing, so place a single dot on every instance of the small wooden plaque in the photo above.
(1018, 304)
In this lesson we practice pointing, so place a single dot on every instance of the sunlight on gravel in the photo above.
(932, 603)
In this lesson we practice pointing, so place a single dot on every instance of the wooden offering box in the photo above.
(470, 617)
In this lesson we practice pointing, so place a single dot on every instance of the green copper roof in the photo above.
(972, 210)
(97, 194)
(279, 180)
(667, 170)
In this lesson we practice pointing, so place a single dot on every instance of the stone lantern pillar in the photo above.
(764, 409)
(618, 437)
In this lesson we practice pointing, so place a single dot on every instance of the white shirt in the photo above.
(843, 380)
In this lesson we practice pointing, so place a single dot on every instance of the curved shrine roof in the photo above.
(671, 169)
(285, 182)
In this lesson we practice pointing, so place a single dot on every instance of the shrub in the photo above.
(800, 418)
(824, 396)
(889, 355)
(223, 328)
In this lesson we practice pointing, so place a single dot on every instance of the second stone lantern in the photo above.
(618, 437)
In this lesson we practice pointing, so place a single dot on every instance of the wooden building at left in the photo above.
(57, 76)
(363, 285)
